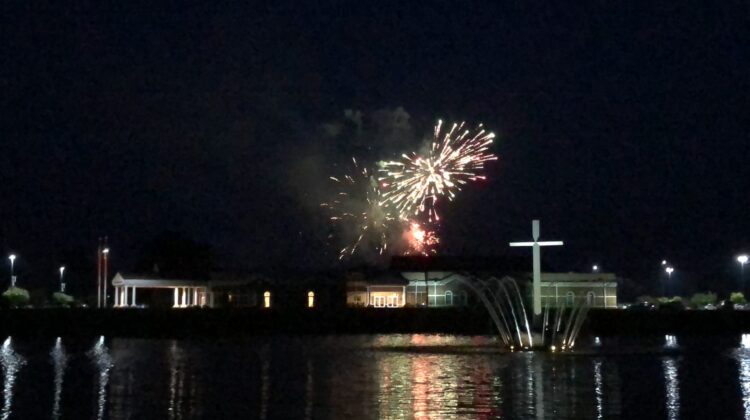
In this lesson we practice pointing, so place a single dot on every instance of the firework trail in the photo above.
(361, 213)
(412, 185)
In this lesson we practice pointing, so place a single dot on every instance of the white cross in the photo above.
(537, 283)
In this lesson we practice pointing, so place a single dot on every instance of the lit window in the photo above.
(267, 299)
(310, 299)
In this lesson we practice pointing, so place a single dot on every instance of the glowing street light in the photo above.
(595, 268)
(12, 258)
(669, 271)
(663, 262)
(742, 259)
(62, 283)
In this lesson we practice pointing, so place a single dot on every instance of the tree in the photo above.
(700, 300)
(61, 299)
(16, 297)
(671, 303)
(737, 298)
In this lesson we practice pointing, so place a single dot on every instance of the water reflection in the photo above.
(102, 360)
(599, 388)
(265, 386)
(183, 388)
(672, 386)
(309, 389)
(670, 341)
(743, 358)
(59, 363)
(11, 363)
(365, 377)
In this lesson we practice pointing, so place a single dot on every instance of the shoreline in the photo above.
(205, 322)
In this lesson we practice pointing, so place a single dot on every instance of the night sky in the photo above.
(623, 127)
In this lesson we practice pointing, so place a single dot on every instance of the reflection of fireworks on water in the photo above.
(420, 241)
(412, 185)
(360, 211)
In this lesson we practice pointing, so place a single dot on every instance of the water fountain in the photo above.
(503, 300)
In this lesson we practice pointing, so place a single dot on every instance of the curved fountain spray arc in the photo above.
(501, 296)
(487, 291)
(488, 296)
(504, 334)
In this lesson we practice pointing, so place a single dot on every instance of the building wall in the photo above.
(595, 295)
(436, 294)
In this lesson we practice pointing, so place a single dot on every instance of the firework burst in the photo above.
(420, 240)
(360, 213)
(413, 184)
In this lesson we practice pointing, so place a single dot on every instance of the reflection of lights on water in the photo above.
(670, 341)
(11, 362)
(265, 387)
(745, 382)
(672, 388)
(309, 388)
(103, 362)
(599, 389)
(743, 356)
(59, 361)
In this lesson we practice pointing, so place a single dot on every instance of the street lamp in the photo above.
(742, 259)
(62, 283)
(669, 271)
(595, 268)
(663, 262)
(12, 258)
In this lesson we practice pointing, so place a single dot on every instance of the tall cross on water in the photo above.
(535, 246)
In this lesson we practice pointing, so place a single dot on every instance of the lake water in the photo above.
(369, 377)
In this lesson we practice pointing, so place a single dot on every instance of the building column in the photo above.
(195, 296)
(175, 301)
(184, 297)
(115, 297)
(134, 289)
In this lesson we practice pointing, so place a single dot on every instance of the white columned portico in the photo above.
(176, 302)
(537, 263)
(132, 291)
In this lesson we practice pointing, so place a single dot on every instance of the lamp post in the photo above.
(742, 259)
(62, 283)
(105, 254)
(595, 268)
(669, 271)
(12, 258)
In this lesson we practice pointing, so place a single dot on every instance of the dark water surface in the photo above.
(369, 377)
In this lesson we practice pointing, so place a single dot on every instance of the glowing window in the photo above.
(310, 299)
(267, 299)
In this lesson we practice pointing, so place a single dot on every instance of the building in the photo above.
(183, 293)
(597, 290)
(438, 282)
(229, 290)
